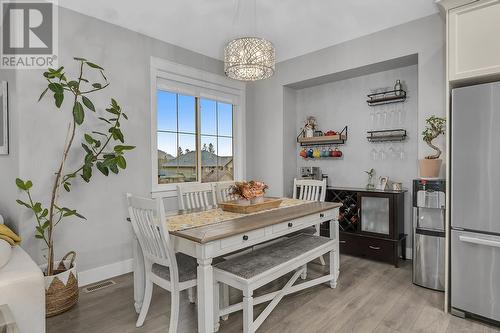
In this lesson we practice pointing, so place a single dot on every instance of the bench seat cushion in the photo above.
(256, 262)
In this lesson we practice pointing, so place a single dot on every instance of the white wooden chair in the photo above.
(195, 195)
(251, 271)
(163, 267)
(311, 190)
(222, 191)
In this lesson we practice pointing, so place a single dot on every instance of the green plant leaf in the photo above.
(43, 94)
(86, 148)
(94, 65)
(37, 207)
(89, 139)
(66, 187)
(23, 203)
(103, 76)
(20, 184)
(78, 113)
(80, 59)
(46, 225)
(56, 87)
(40, 230)
(44, 213)
(104, 119)
(39, 236)
(121, 162)
(59, 98)
(120, 148)
(101, 167)
(124, 116)
(97, 85)
(28, 184)
(88, 103)
(113, 168)
(113, 111)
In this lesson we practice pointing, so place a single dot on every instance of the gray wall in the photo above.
(266, 123)
(38, 132)
(343, 103)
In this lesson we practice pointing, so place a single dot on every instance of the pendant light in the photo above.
(249, 58)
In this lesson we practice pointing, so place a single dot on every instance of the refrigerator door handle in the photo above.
(480, 241)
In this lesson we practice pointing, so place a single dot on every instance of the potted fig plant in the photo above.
(431, 164)
(102, 149)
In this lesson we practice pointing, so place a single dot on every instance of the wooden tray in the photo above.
(236, 207)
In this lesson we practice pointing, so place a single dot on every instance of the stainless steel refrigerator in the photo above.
(475, 201)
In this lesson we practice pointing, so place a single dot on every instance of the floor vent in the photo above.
(99, 286)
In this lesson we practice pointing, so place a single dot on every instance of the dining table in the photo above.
(209, 233)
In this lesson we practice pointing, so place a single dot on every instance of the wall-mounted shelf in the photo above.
(324, 140)
(386, 97)
(386, 135)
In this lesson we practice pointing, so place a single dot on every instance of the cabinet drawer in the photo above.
(297, 224)
(248, 237)
(372, 248)
(349, 244)
(378, 249)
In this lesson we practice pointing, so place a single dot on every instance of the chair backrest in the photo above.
(308, 189)
(222, 191)
(149, 224)
(195, 195)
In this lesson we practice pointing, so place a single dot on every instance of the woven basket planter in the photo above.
(61, 289)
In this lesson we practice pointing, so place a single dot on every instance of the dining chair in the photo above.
(222, 191)
(311, 190)
(195, 195)
(171, 271)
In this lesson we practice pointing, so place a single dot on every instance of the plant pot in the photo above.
(61, 289)
(430, 168)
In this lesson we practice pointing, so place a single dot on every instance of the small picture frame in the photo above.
(4, 119)
(397, 186)
(382, 182)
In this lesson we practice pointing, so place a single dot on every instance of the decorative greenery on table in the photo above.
(434, 128)
(103, 148)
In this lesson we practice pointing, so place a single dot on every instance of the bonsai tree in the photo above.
(434, 128)
(102, 148)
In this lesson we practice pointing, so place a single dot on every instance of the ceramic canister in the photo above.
(316, 153)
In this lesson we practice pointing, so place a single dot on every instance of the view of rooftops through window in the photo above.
(179, 138)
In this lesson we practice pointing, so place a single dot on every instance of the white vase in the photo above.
(257, 200)
(309, 132)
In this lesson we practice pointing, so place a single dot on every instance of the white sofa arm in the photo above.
(22, 288)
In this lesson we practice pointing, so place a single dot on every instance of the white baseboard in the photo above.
(104, 272)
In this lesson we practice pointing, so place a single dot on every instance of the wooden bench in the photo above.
(255, 269)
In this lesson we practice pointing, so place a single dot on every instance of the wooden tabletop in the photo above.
(208, 233)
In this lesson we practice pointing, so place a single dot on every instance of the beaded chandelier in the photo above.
(249, 59)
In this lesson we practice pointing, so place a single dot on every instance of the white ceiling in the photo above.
(295, 27)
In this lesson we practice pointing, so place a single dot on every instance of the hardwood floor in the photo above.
(370, 297)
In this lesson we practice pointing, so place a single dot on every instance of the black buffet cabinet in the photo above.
(371, 223)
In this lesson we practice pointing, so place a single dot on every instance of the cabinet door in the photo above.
(376, 214)
(474, 40)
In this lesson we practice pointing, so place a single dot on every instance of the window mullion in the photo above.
(198, 137)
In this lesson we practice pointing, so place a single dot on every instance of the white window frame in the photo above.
(178, 78)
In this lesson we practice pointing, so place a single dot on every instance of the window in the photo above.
(197, 127)
(194, 138)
